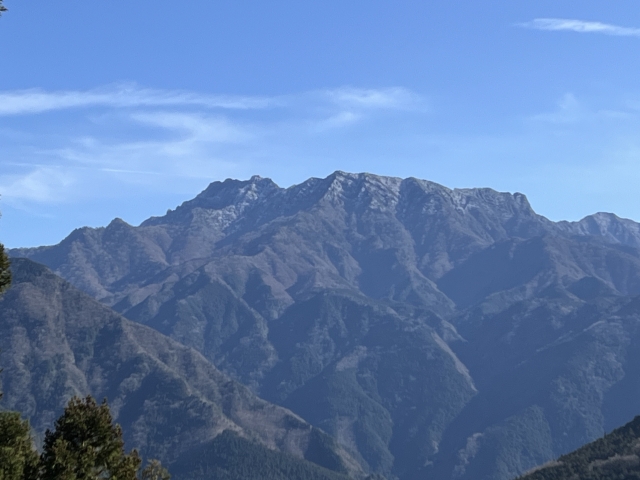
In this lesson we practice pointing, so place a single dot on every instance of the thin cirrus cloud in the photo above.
(569, 110)
(169, 136)
(35, 101)
(195, 126)
(580, 26)
(21, 102)
(391, 98)
(43, 184)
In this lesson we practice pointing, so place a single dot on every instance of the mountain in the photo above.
(58, 342)
(450, 333)
(614, 456)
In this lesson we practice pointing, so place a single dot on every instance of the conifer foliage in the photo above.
(5, 271)
(155, 471)
(615, 456)
(18, 458)
(86, 445)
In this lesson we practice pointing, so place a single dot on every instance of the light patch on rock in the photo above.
(352, 360)
(467, 454)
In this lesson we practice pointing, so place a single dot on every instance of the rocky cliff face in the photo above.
(454, 332)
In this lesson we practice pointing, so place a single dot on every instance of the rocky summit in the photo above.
(434, 333)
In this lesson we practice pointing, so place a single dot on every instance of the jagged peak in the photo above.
(371, 178)
(233, 197)
(427, 185)
(342, 185)
(231, 185)
(219, 195)
(465, 199)
(374, 190)
(230, 193)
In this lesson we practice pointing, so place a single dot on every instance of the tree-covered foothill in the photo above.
(231, 457)
(84, 445)
(616, 456)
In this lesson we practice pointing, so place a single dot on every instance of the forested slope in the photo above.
(616, 456)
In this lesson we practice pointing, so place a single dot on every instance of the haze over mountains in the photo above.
(435, 333)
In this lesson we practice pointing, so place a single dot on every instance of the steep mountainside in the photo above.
(425, 328)
(551, 375)
(616, 456)
(57, 342)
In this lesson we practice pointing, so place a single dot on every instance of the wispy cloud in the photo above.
(163, 140)
(124, 96)
(42, 185)
(339, 120)
(33, 101)
(569, 111)
(580, 26)
(390, 98)
(197, 126)
(345, 107)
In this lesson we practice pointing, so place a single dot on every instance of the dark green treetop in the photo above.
(155, 471)
(86, 445)
(616, 456)
(5, 270)
(18, 457)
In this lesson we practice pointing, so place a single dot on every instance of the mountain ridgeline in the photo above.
(434, 333)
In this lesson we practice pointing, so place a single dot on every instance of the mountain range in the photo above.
(433, 333)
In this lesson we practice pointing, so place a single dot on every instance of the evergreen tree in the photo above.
(86, 445)
(155, 471)
(18, 457)
(5, 271)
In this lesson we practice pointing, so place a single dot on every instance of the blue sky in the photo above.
(125, 109)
